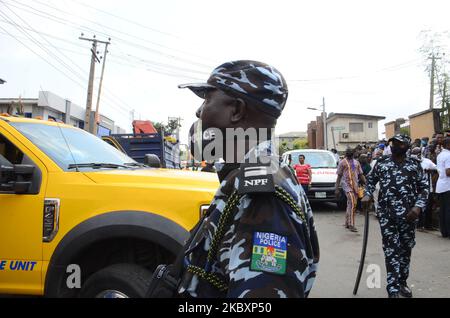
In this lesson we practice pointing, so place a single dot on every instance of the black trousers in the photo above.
(444, 215)
(426, 217)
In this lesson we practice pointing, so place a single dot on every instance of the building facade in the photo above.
(425, 124)
(49, 106)
(346, 130)
(315, 133)
(343, 130)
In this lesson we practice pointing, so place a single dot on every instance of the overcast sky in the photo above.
(362, 56)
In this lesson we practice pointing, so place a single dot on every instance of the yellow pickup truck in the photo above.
(78, 218)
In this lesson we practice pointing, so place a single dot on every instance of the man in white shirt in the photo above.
(428, 166)
(443, 187)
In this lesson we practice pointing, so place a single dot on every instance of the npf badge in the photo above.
(269, 253)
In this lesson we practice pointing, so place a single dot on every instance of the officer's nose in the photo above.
(198, 113)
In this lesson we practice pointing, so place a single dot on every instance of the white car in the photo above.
(324, 166)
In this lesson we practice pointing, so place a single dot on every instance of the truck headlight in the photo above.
(203, 209)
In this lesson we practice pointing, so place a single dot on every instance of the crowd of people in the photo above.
(406, 181)
(424, 150)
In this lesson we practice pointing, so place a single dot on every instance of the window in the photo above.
(356, 127)
(10, 152)
(67, 146)
(370, 125)
(315, 159)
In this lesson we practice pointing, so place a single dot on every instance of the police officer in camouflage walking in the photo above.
(402, 197)
(257, 238)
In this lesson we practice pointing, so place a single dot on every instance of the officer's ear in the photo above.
(239, 110)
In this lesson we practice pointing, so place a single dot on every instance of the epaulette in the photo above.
(255, 178)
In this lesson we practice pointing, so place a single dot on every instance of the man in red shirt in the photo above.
(304, 173)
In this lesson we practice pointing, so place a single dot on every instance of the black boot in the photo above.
(405, 291)
(394, 295)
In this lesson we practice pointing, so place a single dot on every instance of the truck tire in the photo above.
(117, 281)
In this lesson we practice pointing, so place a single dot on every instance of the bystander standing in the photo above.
(443, 187)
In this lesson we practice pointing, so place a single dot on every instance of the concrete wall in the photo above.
(77, 112)
(48, 99)
(390, 130)
(422, 126)
(319, 133)
(425, 124)
(312, 127)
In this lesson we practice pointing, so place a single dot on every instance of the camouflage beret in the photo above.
(257, 82)
(402, 138)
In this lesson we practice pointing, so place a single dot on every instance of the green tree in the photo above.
(405, 131)
(283, 148)
(300, 143)
(434, 47)
(169, 128)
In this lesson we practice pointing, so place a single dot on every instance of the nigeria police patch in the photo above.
(269, 253)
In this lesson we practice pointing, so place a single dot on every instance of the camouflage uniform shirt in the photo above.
(402, 186)
(267, 250)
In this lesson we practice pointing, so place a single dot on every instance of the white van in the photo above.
(324, 166)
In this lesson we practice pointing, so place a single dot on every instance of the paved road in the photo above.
(341, 249)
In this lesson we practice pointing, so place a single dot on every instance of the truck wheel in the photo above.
(117, 281)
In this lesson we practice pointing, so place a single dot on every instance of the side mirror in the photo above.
(152, 161)
(6, 170)
(15, 178)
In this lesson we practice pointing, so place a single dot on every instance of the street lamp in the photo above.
(324, 119)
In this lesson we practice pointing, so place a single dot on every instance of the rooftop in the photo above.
(425, 112)
(294, 134)
(333, 116)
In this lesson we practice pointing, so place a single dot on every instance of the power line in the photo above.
(150, 62)
(43, 58)
(138, 62)
(386, 69)
(46, 34)
(142, 26)
(127, 20)
(6, 6)
(111, 101)
(127, 63)
(59, 47)
(44, 49)
(54, 18)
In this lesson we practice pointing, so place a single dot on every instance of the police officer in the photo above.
(402, 197)
(258, 237)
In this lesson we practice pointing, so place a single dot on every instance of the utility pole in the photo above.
(432, 75)
(324, 114)
(445, 112)
(87, 119)
(97, 116)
